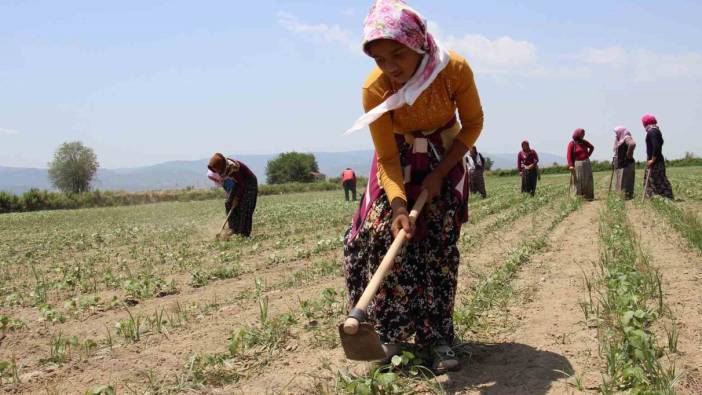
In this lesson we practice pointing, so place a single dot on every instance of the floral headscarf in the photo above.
(578, 134)
(395, 20)
(621, 134)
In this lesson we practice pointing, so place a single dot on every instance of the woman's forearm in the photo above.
(399, 206)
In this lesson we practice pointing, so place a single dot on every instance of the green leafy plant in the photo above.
(398, 377)
(131, 328)
(9, 371)
(101, 390)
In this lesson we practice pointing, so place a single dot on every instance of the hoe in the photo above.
(358, 337)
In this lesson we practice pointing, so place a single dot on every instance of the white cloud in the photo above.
(641, 65)
(506, 56)
(503, 55)
(8, 131)
(321, 31)
(604, 56)
(349, 12)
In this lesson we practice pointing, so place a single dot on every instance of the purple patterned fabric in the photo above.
(416, 166)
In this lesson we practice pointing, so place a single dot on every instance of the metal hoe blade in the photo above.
(364, 345)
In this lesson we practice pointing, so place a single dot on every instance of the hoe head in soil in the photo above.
(364, 345)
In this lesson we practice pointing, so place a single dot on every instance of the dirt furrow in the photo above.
(549, 333)
(682, 287)
(298, 372)
(165, 355)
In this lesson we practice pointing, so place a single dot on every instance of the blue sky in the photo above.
(148, 81)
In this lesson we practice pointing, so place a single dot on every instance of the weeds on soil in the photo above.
(629, 305)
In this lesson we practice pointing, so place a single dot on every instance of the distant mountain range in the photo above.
(181, 174)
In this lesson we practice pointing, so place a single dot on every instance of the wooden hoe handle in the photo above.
(357, 314)
(227, 219)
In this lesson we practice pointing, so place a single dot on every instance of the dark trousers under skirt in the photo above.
(477, 182)
(350, 187)
(529, 180)
(241, 220)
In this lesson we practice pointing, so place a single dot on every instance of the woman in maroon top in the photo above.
(528, 165)
(579, 151)
(241, 198)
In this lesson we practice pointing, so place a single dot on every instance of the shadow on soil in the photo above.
(507, 368)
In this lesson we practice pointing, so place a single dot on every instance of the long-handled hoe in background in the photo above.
(231, 210)
(358, 337)
(647, 176)
(611, 177)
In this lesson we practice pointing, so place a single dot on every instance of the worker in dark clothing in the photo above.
(348, 180)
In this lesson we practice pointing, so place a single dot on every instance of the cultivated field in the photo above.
(555, 296)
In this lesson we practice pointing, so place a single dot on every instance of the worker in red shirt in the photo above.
(578, 154)
(348, 180)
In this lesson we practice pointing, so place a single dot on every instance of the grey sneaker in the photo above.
(445, 359)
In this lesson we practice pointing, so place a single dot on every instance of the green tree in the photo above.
(488, 164)
(291, 167)
(73, 167)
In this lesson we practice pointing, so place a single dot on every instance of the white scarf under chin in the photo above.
(408, 94)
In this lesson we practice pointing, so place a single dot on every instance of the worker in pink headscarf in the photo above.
(423, 111)
(655, 180)
(624, 163)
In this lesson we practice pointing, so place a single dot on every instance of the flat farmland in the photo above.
(556, 295)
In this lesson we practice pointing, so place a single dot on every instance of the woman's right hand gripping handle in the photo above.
(402, 219)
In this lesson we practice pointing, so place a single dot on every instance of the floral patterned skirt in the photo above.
(658, 183)
(417, 297)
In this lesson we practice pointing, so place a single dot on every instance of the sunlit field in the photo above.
(144, 300)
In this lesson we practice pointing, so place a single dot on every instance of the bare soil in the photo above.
(682, 285)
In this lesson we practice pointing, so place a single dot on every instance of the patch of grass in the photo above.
(685, 222)
(146, 285)
(405, 374)
(319, 269)
(527, 204)
(8, 324)
(48, 314)
(200, 277)
(250, 348)
(322, 316)
(9, 372)
(628, 307)
(130, 328)
(101, 390)
(60, 348)
(494, 290)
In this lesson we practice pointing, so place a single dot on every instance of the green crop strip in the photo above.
(685, 222)
(631, 301)
(495, 289)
